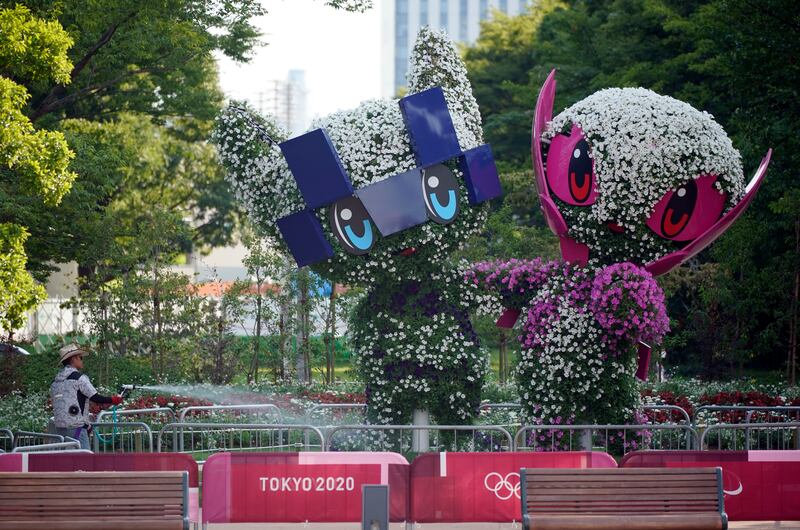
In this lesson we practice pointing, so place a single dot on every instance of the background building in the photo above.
(285, 99)
(402, 19)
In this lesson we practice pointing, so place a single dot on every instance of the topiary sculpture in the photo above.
(633, 184)
(379, 197)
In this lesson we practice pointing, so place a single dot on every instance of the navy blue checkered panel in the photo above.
(396, 203)
(317, 169)
(303, 235)
(430, 127)
(480, 174)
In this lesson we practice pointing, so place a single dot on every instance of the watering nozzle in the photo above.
(124, 390)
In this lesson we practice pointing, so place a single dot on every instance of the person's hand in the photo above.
(116, 400)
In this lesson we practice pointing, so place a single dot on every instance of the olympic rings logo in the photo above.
(503, 487)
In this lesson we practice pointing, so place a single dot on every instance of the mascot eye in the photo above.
(351, 225)
(580, 173)
(570, 169)
(440, 190)
(683, 214)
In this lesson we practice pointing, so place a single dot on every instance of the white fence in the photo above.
(53, 318)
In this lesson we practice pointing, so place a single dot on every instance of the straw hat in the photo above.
(71, 350)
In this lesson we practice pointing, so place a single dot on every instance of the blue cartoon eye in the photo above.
(351, 225)
(362, 242)
(440, 190)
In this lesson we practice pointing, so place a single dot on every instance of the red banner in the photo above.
(481, 487)
(299, 487)
(758, 485)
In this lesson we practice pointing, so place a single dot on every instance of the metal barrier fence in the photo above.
(445, 438)
(671, 411)
(334, 407)
(732, 413)
(29, 438)
(493, 406)
(203, 439)
(613, 439)
(122, 436)
(6, 440)
(750, 436)
(207, 437)
(140, 414)
(69, 445)
(773, 414)
(208, 411)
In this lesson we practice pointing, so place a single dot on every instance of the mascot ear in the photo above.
(256, 170)
(435, 62)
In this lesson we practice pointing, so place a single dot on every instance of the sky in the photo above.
(339, 51)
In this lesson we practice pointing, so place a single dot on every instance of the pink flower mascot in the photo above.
(633, 184)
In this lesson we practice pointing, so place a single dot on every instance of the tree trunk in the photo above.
(791, 365)
(301, 335)
(253, 375)
(330, 338)
(280, 366)
(503, 346)
(156, 322)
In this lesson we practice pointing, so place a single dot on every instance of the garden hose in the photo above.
(109, 440)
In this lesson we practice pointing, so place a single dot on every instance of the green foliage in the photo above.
(38, 370)
(32, 162)
(152, 58)
(500, 65)
(136, 106)
(26, 412)
(18, 291)
(513, 229)
(264, 263)
(32, 48)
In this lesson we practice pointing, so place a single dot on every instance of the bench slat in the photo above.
(94, 524)
(95, 480)
(77, 475)
(46, 488)
(623, 489)
(67, 514)
(612, 478)
(650, 522)
(554, 481)
(625, 471)
(610, 495)
(98, 501)
(46, 495)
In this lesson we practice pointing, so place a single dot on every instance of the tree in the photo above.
(32, 162)
(142, 81)
(263, 264)
(500, 64)
(18, 291)
(219, 348)
(150, 58)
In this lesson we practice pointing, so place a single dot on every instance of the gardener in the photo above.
(69, 392)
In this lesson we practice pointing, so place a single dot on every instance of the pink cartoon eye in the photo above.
(570, 169)
(688, 211)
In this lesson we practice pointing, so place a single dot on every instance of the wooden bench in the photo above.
(94, 500)
(630, 498)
